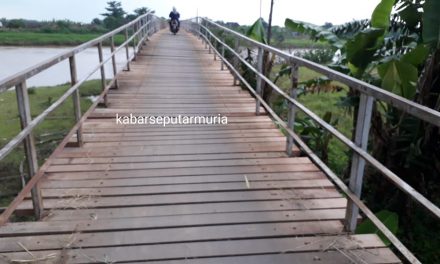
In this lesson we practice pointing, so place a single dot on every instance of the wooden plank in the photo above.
(59, 161)
(183, 180)
(169, 235)
(183, 188)
(299, 199)
(212, 141)
(371, 255)
(179, 164)
(242, 170)
(209, 249)
(174, 149)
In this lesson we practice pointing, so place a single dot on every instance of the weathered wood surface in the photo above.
(190, 193)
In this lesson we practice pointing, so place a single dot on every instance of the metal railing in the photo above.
(368, 94)
(140, 29)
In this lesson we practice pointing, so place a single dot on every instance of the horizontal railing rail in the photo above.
(141, 28)
(369, 93)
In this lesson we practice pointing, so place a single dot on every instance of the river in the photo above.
(15, 59)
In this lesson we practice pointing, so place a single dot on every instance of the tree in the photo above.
(399, 52)
(96, 21)
(138, 12)
(115, 15)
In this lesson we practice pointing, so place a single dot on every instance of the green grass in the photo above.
(20, 38)
(300, 43)
(320, 103)
(47, 135)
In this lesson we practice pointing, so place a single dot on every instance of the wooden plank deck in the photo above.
(185, 194)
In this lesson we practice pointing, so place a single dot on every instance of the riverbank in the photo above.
(47, 135)
(24, 38)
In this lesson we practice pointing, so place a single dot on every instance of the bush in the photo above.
(321, 56)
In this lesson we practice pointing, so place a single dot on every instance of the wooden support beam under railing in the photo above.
(76, 98)
(358, 163)
(292, 110)
(115, 70)
(30, 150)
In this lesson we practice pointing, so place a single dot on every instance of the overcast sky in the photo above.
(241, 11)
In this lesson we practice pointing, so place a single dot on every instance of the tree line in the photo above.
(113, 17)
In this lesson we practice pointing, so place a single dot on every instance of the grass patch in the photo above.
(298, 43)
(47, 135)
(320, 103)
(23, 38)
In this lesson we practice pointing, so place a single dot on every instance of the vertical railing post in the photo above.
(236, 61)
(115, 70)
(147, 28)
(292, 110)
(76, 99)
(259, 79)
(358, 163)
(134, 42)
(214, 45)
(223, 55)
(127, 52)
(103, 80)
(210, 42)
(29, 145)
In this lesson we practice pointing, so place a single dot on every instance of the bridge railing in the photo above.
(135, 33)
(368, 94)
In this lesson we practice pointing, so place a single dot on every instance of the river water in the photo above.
(15, 59)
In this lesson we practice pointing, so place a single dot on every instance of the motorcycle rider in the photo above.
(175, 15)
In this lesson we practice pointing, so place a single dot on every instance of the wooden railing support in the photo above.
(102, 68)
(292, 108)
(259, 87)
(127, 52)
(134, 43)
(222, 67)
(115, 69)
(358, 163)
(235, 60)
(76, 99)
(29, 145)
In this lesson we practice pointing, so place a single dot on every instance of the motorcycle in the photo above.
(174, 26)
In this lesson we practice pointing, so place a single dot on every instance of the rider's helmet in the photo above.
(174, 9)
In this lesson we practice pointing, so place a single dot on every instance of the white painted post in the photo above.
(358, 163)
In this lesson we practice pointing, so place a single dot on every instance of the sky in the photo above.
(241, 11)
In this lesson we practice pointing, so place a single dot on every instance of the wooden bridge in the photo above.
(137, 193)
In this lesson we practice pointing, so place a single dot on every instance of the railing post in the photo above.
(76, 99)
(103, 80)
(223, 55)
(214, 45)
(259, 79)
(115, 70)
(29, 145)
(134, 42)
(147, 28)
(358, 163)
(210, 42)
(292, 110)
(127, 52)
(236, 61)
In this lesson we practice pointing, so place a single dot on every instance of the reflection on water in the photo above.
(15, 59)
